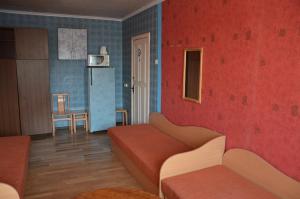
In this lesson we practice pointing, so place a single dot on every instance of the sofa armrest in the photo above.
(209, 154)
(8, 192)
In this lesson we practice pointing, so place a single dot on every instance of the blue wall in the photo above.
(68, 75)
(143, 22)
(71, 76)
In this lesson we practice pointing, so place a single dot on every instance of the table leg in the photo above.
(126, 118)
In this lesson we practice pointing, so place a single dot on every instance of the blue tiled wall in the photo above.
(68, 75)
(71, 76)
(138, 24)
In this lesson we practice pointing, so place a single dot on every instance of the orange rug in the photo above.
(116, 193)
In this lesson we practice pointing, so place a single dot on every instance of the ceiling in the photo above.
(116, 9)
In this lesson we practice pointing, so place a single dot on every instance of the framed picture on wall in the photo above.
(72, 44)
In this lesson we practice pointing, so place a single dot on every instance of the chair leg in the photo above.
(86, 125)
(74, 125)
(123, 118)
(53, 128)
(71, 125)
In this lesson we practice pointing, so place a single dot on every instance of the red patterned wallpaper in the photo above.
(251, 73)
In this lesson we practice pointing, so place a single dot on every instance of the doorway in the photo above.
(140, 79)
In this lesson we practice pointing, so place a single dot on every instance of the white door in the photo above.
(140, 83)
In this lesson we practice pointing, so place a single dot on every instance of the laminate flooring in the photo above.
(63, 166)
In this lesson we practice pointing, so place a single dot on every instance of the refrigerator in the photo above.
(101, 102)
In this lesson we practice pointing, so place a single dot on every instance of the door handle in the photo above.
(132, 88)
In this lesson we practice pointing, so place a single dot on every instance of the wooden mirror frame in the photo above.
(200, 75)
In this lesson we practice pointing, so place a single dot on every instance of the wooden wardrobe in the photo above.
(24, 82)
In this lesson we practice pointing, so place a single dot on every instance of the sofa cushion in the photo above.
(213, 183)
(147, 147)
(14, 155)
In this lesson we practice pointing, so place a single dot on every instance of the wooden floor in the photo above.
(66, 165)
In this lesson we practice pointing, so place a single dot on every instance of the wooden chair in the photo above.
(80, 116)
(61, 110)
(124, 116)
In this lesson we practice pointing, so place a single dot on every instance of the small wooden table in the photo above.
(116, 193)
(124, 116)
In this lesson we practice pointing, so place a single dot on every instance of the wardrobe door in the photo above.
(7, 43)
(31, 43)
(9, 107)
(34, 99)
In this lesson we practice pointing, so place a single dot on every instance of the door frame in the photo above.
(141, 36)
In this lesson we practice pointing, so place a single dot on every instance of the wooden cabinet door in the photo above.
(34, 97)
(31, 43)
(7, 43)
(9, 105)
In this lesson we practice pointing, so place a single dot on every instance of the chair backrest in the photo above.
(61, 103)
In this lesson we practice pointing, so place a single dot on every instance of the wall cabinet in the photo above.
(7, 43)
(24, 78)
(31, 43)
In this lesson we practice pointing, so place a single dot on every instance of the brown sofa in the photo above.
(155, 150)
(14, 155)
(243, 174)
